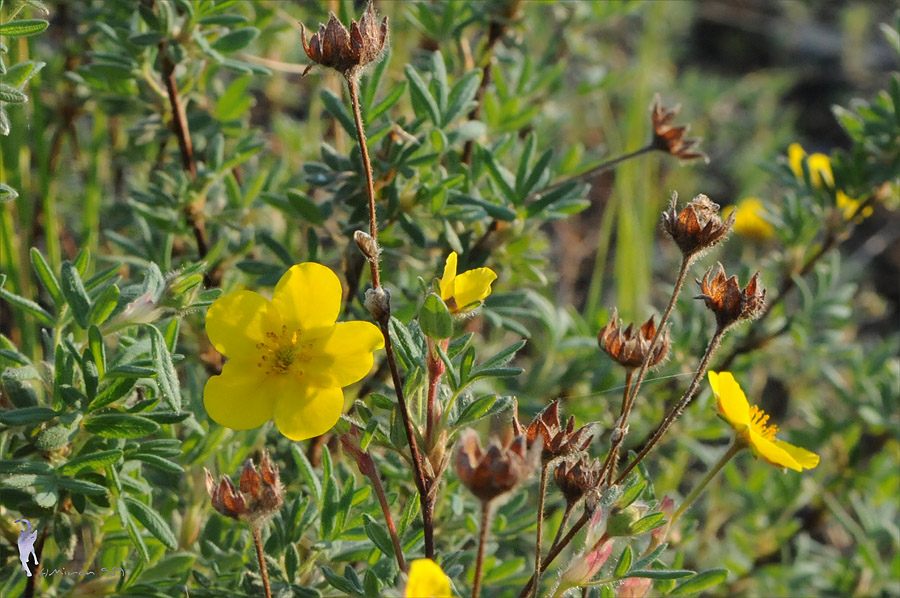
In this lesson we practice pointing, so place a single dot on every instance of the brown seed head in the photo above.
(629, 347)
(555, 440)
(496, 471)
(574, 478)
(347, 51)
(671, 139)
(697, 226)
(259, 497)
(727, 301)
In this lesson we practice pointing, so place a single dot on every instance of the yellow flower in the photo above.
(848, 206)
(749, 220)
(287, 359)
(466, 291)
(427, 580)
(750, 422)
(819, 166)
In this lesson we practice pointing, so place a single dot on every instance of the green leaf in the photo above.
(384, 105)
(12, 95)
(26, 416)
(624, 563)
(645, 524)
(701, 581)
(342, 583)
(462, 96)
(379, 535)
(236, 100)
(338, 109)
(23, 27)
(311, 480)
(90, 373)
(120, 425)
(46, 276)
(434, 318)
(81, 486)
(90, 462)
(150, 38)
(498, 176)
(476, 410)
(153, 522)
(74, 292)
(19, 74)
(167, 379)
(129, 525)
(113, 392)
(157, 461)
(659, 573)
(54, 438)
(235, 40)
(421, 97)
(41, 315)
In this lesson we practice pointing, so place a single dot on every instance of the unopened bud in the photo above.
(378, 302)
(368, 245)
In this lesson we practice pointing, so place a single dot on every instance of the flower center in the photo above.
(279, 351)
(758, 422)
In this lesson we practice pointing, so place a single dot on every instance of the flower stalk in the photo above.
(482, 540)
(737, 446)
(263, 570)
(542, 493)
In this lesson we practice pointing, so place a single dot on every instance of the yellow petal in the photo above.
(238, 321)
(730, 398)
(241, 397)
(820, 170)
(473, 286)
(343, 355)
(771, 452)
(796, 153)
(449, 276)
(427, 580)
(749, 220)
(806, 459)
(308, 296)
(303, 411)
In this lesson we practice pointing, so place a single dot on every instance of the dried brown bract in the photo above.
(727, 300)
(259, 497)
(347, 51)
(630, 347)
(555, 440)
(697, 226)
(575, 478)
(671, 139)
(495, 471)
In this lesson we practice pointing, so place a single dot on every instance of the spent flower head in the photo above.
(752, 427)
(697, 227)
(727, 300)
(555, 440)
(575, 478)
(288, 359)
(347, 51)
(630, 347)
(258, 497)
(495, 471)
(671, 139)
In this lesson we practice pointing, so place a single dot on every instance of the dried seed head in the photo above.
(629, 347)
(496, 471)
(670, 139)
(725, 298)
(259, 497)
(574, 478)
(697, 226)
(555, 440)
(347, 51)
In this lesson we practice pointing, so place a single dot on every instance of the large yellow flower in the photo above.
(751, 424)
(287, 359)
(427, 580)
(749, 221)
(466, 291)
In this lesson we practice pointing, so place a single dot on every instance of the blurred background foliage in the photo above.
(111, 201)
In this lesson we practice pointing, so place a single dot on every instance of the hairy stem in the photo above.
(372, 474)
(679, 407)
(263, 571)
(542, 492)
(612, 459)
(482, 539)
(736, 447)
(562, 524)
(353, 87)
(555, 550)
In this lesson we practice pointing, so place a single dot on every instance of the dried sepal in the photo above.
(346, 51)
(495, 471)
(555, 440)
(697, 226)
(575, 478)
(726, 299)
(671, 139)
(259, 496)
(630, 347)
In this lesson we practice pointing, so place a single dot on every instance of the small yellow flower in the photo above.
(427, 580)
(848, 206)
(750, 422)
(749, 221)
(819, 166)
(466, 291)
(287, 358)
